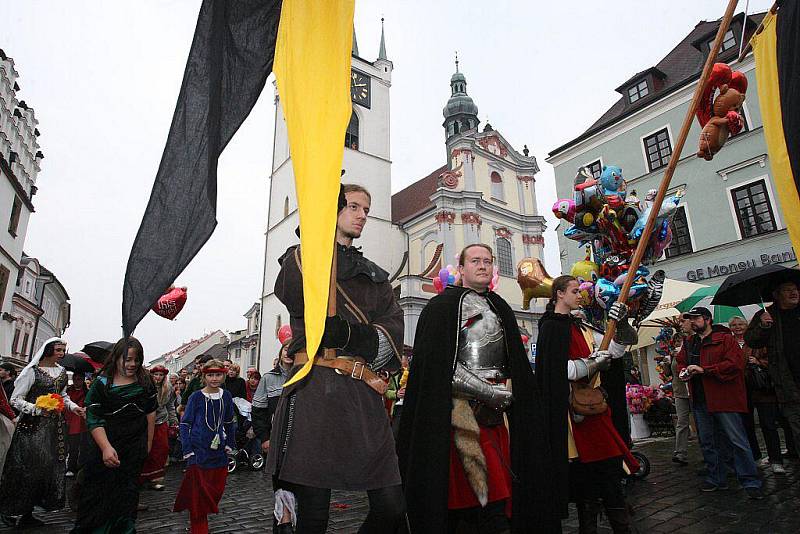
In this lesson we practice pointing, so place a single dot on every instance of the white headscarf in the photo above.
(35, 360)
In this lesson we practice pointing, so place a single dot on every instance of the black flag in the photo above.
(229, 62)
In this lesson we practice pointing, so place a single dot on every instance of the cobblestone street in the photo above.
(668, 500)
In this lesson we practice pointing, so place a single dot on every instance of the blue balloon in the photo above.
(451, 279)
(605, 293)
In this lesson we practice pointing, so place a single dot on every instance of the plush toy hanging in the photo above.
(719, 109)
(170, 304)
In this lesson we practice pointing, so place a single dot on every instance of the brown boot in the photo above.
(620, 520)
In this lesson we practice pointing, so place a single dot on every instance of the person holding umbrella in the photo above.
(777, 328)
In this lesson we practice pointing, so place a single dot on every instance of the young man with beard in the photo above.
(460, 463)
(331, 430)
(712, 363)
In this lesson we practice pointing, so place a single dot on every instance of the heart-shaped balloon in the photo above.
(170, 304)
(284, 333)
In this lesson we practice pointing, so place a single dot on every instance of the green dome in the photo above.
(460, 104)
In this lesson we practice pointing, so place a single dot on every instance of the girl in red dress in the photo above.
(154, 466)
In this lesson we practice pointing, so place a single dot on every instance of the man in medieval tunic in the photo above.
(331, 430)
(462, 467)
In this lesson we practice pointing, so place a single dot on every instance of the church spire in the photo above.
(382, 49)
(460, 113)
(355, 42)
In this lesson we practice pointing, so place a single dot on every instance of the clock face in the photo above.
(360, 88)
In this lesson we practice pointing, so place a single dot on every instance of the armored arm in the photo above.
(466, 384)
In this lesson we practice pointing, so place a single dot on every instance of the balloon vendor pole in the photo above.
(611, 326)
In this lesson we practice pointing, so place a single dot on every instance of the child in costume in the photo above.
(208, 430)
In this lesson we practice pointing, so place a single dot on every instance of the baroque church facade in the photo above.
(483, 193)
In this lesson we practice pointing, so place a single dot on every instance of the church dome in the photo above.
(460, 105)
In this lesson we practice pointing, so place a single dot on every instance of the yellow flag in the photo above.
(312, 68)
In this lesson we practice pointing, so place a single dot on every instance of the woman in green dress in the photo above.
(121, 407)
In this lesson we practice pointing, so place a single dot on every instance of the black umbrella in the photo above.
(98, 350)
(754, 286)
(77, 364)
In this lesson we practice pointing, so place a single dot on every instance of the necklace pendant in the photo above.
(215, 442)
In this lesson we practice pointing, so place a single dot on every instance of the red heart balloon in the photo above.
(284, 333)
(171, 303)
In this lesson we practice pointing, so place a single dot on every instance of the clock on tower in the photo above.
(360, 88)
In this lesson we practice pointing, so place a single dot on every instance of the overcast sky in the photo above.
(103, 78)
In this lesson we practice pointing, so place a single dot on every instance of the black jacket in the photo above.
(423, 444)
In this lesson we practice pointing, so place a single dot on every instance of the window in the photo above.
(728, 42)
(745, 126)
(505, 261)
(253, 357)
(497, 185)
(635, 92)
(351, 136)
(753, 209)
(658, 149)
(286, 207)
(16, 209)
(277, 323)
(24, 348)
(681, 240)
(596, 168)
(5, 275)
(238, 354)
(17, 332)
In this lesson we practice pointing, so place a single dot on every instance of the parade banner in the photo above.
(229, 62)
(778, 75)
(312, 68)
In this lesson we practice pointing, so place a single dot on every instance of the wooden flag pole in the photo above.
(330, 354)
(611, 326)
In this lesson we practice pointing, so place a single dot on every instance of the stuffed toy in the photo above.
(719, 109)
(613, 186)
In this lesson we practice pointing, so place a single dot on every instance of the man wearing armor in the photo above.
(460, 462)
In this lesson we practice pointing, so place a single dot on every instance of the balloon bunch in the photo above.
(447, 276)
(610, 222)
(666, 346)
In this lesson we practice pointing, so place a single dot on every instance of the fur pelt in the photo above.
(466, 437)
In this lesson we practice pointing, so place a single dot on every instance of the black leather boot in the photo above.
(620, 520)
(587, 517)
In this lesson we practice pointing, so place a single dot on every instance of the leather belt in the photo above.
(355, 369)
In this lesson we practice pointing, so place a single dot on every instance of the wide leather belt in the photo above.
(355, 369)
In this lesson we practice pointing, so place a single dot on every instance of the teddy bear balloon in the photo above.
(720, 117)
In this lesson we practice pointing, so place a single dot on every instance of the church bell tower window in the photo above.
(351, 136)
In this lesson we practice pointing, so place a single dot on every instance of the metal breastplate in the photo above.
(481, 346)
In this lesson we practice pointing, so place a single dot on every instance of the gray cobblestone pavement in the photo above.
(668, 500)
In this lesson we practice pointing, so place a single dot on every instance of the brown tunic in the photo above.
(338, 435)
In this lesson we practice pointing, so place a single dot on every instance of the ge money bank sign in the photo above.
(713, 270)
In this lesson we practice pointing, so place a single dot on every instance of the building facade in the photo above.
(243, 346)
(214, 343)
(483, 191)
(20, 158)
(730, 217)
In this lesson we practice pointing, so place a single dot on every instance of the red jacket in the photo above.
(723, 362)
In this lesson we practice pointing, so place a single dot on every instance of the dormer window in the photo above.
(637, 91)
(728, 42)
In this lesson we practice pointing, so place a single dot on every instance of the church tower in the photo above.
(367, 162)
(460, 113)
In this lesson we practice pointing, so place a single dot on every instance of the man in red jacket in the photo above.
(712, 363)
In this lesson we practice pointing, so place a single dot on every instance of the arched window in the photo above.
(497, 186)
(505, 259)
(286, 207)
(351, 136)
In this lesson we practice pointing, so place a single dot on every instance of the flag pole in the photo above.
(611, 326)
(749, 46)
(330, 354)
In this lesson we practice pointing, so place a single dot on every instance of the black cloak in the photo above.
(423, 443)
(552, 355)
